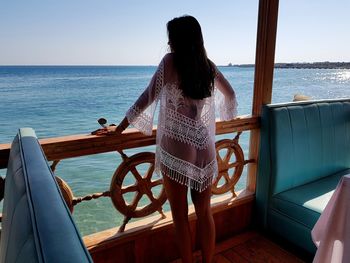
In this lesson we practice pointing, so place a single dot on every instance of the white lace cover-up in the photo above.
(185, 144)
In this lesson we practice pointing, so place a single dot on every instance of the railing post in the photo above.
(263, 78)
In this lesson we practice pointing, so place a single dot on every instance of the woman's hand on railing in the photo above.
(109, 130)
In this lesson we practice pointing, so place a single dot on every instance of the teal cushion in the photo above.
(291, 230)
(36, 225)
(308, 142)
(305, 203)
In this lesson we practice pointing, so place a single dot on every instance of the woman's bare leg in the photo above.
(177, 196)
(205, 223)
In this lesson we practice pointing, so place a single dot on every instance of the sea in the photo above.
(66, 100)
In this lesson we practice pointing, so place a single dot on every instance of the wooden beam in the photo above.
(80, 145)
(265, 54)
(264, 67)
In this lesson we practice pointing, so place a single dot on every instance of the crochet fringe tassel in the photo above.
(184, 180)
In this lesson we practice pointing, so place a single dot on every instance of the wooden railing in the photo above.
(56, 149)
(80, 145)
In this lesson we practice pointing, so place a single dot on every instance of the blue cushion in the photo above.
(37, 225)
(304, 204)
(291, 230)
(304, 149)
(308, 142)
(16, 222)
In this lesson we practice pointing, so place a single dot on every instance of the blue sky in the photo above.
(115, 32)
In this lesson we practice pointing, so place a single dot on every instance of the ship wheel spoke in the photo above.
(218, 156)
(217, 179)
(226, 176)
(150, 172)
(228, 154)
(235, 164)
(136, 200)
(136, 173)
(150, 196)
(128, 189)
(155, 183)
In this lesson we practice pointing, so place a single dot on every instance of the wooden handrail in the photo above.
(80, 145)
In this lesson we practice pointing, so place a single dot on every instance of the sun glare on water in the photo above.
(343, 76)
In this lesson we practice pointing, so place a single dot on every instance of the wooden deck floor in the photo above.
(249, 247)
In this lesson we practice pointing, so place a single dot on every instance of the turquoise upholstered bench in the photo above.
(36, 225)
(304, 151)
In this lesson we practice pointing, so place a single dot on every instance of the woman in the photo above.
(185, 84)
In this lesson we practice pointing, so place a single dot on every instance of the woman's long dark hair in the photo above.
(196, 72)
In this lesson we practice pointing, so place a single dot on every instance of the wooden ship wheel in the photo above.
(66, 193)
(230, 166)
(143, 186)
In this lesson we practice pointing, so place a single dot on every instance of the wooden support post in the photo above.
(263, 79)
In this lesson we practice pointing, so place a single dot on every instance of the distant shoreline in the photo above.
(297, 65)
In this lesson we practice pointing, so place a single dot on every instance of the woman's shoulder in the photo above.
(168, 66)
(168, 58)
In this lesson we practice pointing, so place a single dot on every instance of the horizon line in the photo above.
(148, 65)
